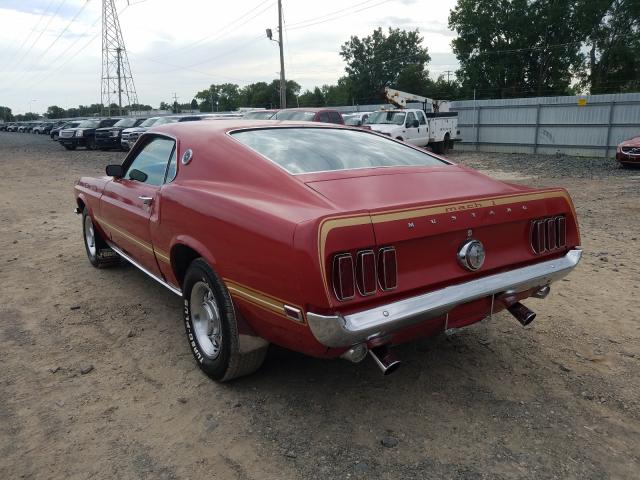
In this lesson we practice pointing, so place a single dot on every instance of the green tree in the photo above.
(612, 32)
(513, 48)
(5, 114)
(312, 98)
(55, 112)
(164, 106)
(376, 61)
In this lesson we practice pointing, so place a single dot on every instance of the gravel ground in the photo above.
(97, 380)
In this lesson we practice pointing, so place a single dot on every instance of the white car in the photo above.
(356, 119)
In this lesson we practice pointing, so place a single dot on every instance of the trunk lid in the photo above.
(427, 214)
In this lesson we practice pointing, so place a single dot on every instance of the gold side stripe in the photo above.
(261, 299)
(148, 247)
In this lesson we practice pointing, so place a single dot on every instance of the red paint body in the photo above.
(275, 234)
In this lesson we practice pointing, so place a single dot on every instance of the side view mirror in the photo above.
(416, 124)
(115, 171)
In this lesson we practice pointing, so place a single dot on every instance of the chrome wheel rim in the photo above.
(205, 317)
(89, 236)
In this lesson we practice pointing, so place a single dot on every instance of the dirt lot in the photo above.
(558, 399)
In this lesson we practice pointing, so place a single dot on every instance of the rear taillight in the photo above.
(548, 234)
(367, 275)
(366, 272)
(387, 268)
(343, 277)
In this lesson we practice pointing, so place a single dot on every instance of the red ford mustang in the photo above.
(328, 240)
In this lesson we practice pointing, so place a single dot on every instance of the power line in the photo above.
(223, 31)
(41, 32)
(75, 17)
(24, 42)
(71, 58)
(330, 14)
(339, 16)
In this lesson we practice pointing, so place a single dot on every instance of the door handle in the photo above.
(146, 200)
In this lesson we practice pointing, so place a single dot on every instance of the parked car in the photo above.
(356, 119)
(109, 137)
(55, 132)
(12, 127)
(628, 152)
(324, 115)
(22, 127)
(259, 114)
(3, 126)
(327, 240)
(84, 135)
(42, 128)
(130, 136)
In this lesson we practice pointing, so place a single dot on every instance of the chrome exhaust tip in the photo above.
(386, 360)
(356, 354)
(523, 314)
(542, 292)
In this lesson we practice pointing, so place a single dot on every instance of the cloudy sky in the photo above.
(51, 49)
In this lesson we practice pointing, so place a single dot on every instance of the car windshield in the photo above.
(125, 122)
(258, 115)
(89, 124)
(294, 115)
(164, 120)
(306, 150)
(386, 118)
(352, 120)
(149, 121)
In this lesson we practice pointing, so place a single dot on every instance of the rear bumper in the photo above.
(343, 331)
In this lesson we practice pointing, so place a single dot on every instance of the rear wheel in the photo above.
(99, 253)
(211, 328)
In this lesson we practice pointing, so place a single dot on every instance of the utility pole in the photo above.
(448, 72)
(175, 102)
(283, 82)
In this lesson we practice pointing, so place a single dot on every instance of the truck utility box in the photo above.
(433, 125)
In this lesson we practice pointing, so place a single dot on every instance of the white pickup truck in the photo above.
(435, 130)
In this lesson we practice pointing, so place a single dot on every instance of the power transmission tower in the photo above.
(117, 80)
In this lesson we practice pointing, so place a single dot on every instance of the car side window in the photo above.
(150, 165)
(335, 117)
(410, 119)
(421, 118)
(324, 117)
(172, 168)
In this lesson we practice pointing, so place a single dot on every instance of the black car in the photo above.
(55, 131)
(3, 127)
(109, 137)
(84, 135)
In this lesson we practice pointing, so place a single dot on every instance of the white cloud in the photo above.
(184, 46)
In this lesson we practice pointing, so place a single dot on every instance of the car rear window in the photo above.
(306, 150)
